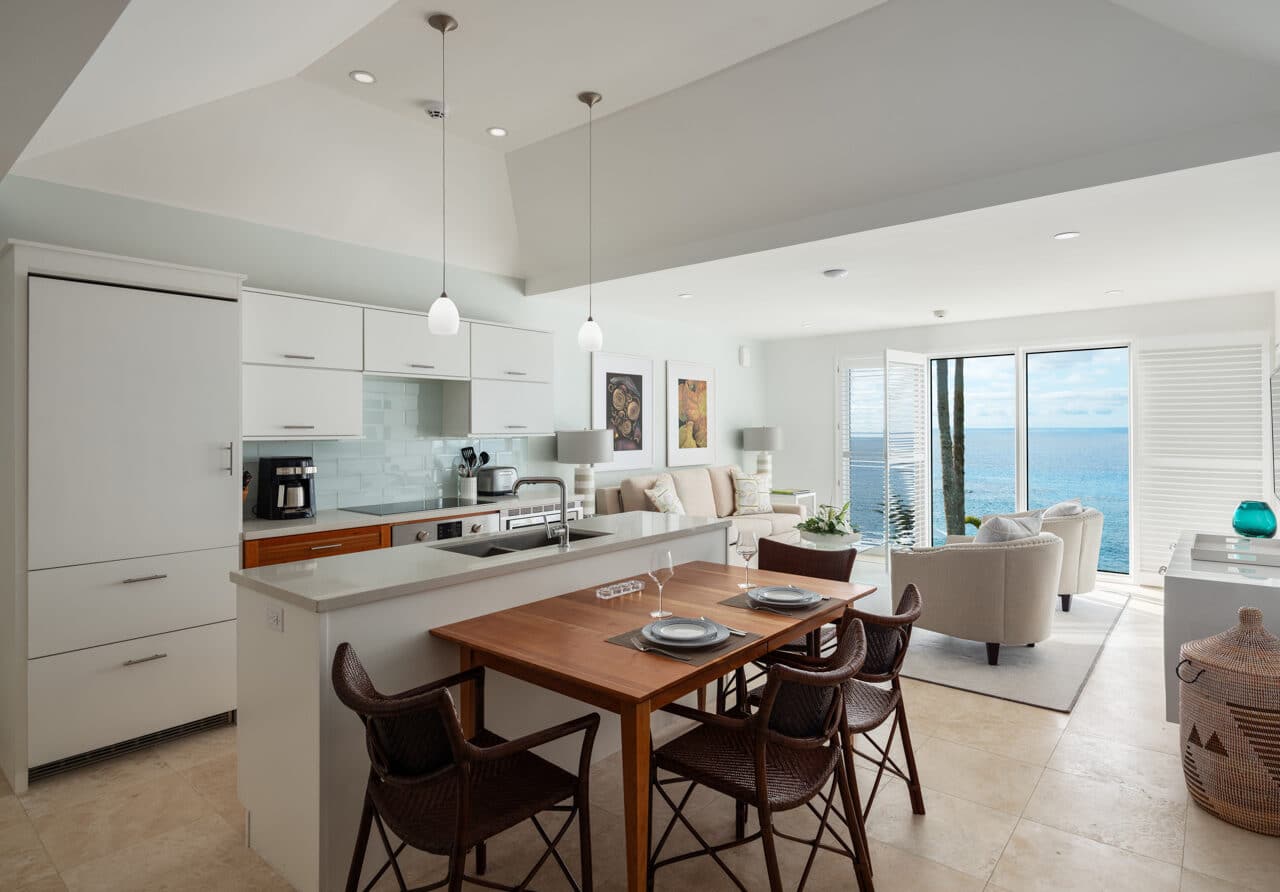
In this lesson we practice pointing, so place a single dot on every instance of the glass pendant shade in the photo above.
(590, 337)
(442, 318)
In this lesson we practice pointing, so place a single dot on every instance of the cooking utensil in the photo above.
(469, 456)
(650, 649)
(484, 459)
(464, 471)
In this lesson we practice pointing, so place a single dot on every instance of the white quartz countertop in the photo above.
(334, 583)
(1182, 566)
(339, 519)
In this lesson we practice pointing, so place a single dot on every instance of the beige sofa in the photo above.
(1081, 536)
(1000, 593)
(705, 492)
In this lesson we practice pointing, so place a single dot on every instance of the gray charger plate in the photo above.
(783, 597)
(713, 633)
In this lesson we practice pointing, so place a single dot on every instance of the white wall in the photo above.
(800, 388)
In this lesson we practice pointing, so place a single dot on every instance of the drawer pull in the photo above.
(299, 356)
(421, 365)
(150, 659)
(152, 578)
(516, 373)
(517, 427)
(299, 427)
(326, 547)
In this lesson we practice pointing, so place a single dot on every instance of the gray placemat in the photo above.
(696, 657)
(744, 603)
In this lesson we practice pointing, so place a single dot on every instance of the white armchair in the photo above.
(1081, 536)
(1000, 593)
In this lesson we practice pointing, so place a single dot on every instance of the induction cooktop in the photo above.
(416, 505)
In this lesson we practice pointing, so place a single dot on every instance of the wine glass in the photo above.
(661, 569)
(747, 548)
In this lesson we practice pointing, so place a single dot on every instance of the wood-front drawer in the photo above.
(309, 546)
(74, 607)
(87, 699)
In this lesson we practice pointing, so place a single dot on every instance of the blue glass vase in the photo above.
(1255, 520)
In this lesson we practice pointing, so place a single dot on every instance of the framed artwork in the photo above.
(622, 400)
(691, 414)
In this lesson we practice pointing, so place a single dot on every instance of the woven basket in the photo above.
(1230, 717)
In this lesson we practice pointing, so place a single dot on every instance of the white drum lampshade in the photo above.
(584, 449)
(764, 441)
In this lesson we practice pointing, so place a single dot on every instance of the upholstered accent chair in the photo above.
(1081, 536)
(1000, 593)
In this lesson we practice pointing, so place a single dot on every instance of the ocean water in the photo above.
(1091, 464)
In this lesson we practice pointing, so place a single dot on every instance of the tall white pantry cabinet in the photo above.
(119, 500)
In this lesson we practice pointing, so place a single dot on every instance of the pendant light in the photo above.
(590, 337)
(442, 318)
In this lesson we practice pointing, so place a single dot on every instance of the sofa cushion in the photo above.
(633, 492)
(751, 493)
(760, 524)
(1069, 508)
(693, 485)
(663, 496)
(1009, 528)
(722, 488)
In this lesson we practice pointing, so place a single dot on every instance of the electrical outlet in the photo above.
(275, 619)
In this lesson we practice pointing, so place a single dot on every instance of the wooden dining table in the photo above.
(561, 644)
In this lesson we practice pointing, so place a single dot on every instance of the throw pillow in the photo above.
(663, 496)
(1069, 508)
(751, 493)
(1008, 528)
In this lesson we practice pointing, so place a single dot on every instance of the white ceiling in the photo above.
(1248, 27)
(1207, 232)
(164, 56)
(520, 64)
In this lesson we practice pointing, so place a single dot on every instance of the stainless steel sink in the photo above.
(510, 543)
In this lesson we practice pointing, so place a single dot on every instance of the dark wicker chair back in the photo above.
(409, 735)
(888, 637)
(818, 563)
(802, 708)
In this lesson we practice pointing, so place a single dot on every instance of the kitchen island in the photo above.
(302, 758)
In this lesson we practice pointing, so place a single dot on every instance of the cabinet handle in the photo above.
(421, 365)
(299, 427)
(324, 547)
(231, 458)
(152, 578)
(299, 356)
(149, 659)
(517, 427)
(516, 373)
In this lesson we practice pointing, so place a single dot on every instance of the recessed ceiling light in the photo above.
(1114, 291)
(685, 296)
(835, 273)
(1063, 236)
(497, 131)
(362, 77)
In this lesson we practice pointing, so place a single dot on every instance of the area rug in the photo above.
(1050, 675)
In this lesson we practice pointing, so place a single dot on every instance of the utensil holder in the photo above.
(467, 488)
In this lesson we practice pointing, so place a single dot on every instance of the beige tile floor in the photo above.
(1018, 799)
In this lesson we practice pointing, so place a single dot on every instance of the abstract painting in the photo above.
(622, 401)
(690, 413)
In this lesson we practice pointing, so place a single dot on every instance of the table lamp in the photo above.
(584, 449)
(764, 441)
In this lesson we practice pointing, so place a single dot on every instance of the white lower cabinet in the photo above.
(282, 403)
(91, 698)
(70, 608)
(498, 408)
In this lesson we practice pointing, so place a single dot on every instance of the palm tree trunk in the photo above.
(952, 495)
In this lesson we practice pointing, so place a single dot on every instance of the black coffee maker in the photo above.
(286, 488)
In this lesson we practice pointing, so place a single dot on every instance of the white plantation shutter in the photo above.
(906, 448)
(1201, 442)
(859, 456)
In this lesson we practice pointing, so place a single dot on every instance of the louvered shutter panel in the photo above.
(906, 448)
(860, 444)
(1201, 424)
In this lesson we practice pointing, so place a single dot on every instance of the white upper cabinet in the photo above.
(499, 408)
(402, 344)
(302, 404)
(511, 354)
(133, 423)
(280, 330)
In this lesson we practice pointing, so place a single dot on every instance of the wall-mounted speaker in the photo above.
(744, 356)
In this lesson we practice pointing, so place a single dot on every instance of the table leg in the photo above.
(467, 692)
(635, 792)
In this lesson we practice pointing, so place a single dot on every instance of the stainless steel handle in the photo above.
(149, 659)
(231, 458)
(152, 578)
(299, 427)
(517, 427)
(299, 356)
(421, 365)
(515, 373)
(326, 547)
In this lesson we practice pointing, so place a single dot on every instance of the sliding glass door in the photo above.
(974, 438)
(1078, 439)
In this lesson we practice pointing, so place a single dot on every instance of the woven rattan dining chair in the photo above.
(780, 756)
(440, 792)
(834, 564)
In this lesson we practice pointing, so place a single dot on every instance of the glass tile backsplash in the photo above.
(402, 456)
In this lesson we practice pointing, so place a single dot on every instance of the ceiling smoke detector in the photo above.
(435, 109)
(939, 314)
